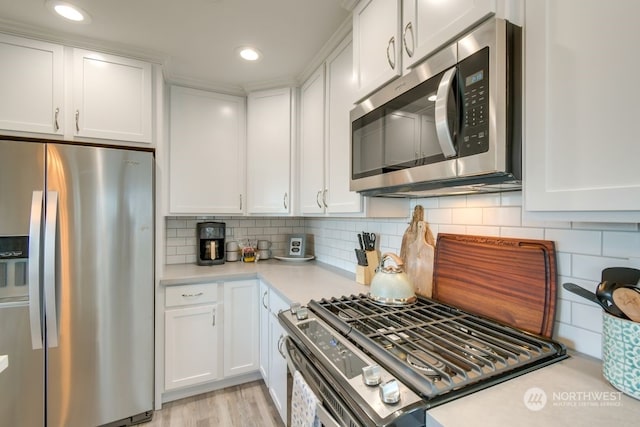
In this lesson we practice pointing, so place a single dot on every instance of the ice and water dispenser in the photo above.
(210, 243)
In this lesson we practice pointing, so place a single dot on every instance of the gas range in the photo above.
(389, 364)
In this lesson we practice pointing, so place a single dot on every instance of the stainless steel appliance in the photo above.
(76, 304)
(372, 364)
(452, 125)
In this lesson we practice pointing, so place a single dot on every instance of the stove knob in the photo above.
(390, 391)
(371, 375)
(302, 313)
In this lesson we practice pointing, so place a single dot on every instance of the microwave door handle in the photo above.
(441, 115)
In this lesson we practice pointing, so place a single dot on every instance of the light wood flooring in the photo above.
(245, 405)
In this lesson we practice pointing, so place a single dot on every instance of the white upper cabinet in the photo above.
(112, 97)
(325, 144)
(427, 25)
(32, 85)
(73, 94)
(390, 36)
(376, 44)
(312, 180)
(581, 150)
(206, 152)
(269, 131)
(340, 93)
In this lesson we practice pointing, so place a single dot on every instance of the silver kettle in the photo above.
(391, 285)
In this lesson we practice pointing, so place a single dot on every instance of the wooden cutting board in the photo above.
(510, 280)
(417, 253)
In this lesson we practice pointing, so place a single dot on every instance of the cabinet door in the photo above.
(112, 97)
(340, 94)
(31, 84)
(192, 338)
(278, 375)
(312, 188)
(264, 332)
(206, 152)
(269, 151)
(428, 25)
(376, 44)
(581, 150)
(241, 323)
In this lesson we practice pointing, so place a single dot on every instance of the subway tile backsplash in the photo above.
(583, 249)
(181, 233)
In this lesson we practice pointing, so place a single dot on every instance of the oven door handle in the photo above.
(442, 115)
(326, 420)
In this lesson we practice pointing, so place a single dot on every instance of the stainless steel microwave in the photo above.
(452, 125)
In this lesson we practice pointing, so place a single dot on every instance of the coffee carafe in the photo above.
(210, 243)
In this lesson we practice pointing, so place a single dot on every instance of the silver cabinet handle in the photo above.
(280, 342)
(193, 295)
(263, 297)
(284, 200)
(392, 41)
(56, 127)
(441, 114)
(241, 202)
(77, 120)
(317, 196)
(51, 267)
(408, 28)
(213, 321)
(35, 229)
(324, 198)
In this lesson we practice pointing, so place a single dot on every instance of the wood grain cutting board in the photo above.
(417, 253)
(510, 280)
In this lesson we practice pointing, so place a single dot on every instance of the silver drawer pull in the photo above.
(193, 295)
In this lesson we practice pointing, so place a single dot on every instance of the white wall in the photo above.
(583, 249)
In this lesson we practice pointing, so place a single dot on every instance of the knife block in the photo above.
(364, 273)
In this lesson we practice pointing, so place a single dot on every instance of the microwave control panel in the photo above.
(474, 90)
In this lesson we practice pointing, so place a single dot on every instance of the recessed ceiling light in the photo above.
(249, 53)
(68, 11)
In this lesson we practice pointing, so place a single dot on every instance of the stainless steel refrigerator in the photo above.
(76, 284)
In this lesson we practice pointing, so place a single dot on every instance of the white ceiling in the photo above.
(196, 40)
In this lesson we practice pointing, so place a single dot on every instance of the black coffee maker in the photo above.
(210, 243)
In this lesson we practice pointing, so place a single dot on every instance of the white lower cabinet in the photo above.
(211, 332)
(192, 340)
(241, 323)
(273, 364)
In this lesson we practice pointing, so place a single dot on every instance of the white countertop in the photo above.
(4, 362)
(576, 392)
(295, 281)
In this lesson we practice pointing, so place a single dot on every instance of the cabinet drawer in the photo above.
(191, 294)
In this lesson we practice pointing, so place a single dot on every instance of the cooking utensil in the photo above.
(510, 280)
(627, 299)
(372, 241)
(390, 285)
(417, 252)
(604, 293)
(584, 293)
(369, 241)
(361, 256)
(625, 275)
(361, 242)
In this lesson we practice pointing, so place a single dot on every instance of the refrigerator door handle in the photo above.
(35, 228)
(51, 268)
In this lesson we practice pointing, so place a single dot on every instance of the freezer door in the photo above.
(101, 370)
(22, 383)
